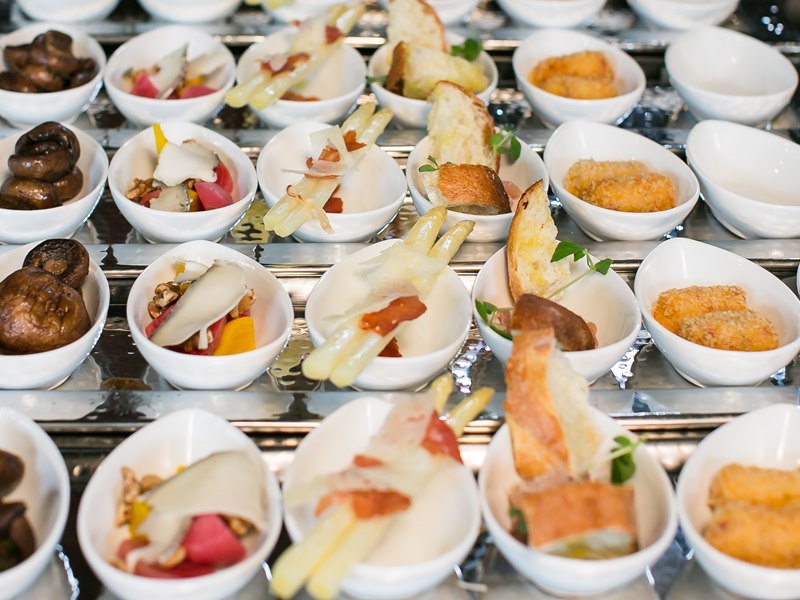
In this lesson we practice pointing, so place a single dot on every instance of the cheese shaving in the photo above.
(315, 210)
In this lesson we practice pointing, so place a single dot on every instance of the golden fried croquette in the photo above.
(675, 305)
(582, 175)
(625, 185)
(755, 485)
(742, 330)
(586, 75)
(579, 88)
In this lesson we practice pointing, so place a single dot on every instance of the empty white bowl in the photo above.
(68, 11)
(410, 111)
(766, 438)
(683, 14)
(578, 140)
(45, 491)
(23, 226)
(552, 13)
(526, 170)
(137, 159)
(372, 193)
(23, 110)
(337, 84)
(428, 343)
(554, 110)
(49, 369)
(272, 313)
(748, 178)
(300, 10)
(654, 505)
(146, 50)
(605, 300)
(424, 543)
(681, 262)
(190, 11)
(727, 75)
(180, 438)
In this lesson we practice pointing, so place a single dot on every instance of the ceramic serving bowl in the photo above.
(683, 14)
(299, 10)
(727, 75)
(746, 176)
(554, 110)
(337, 84)
(428, 343)
(605, 300)
(526, 170)
(654, 505)
(45, 491)
(681, 262)
(272, 313)
(180, 438)
(765, 438)
(552, 13)
(23, 110)
(148, 49)
(578, 140)
(371, 193)
(450, 12)
(410, 111)
(190, 11)
(423, 544)
(23, 226)
(68, 11)
(50, 369)
(137, 159)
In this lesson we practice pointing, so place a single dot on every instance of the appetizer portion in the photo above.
(203, 310)
(386, 479)
(716, 317)
(17, 540)
(336, 151)
(44, 171)
(755, 515)
(47, 64)
(41, 306)
(175, 77)
(281, 75)
(188, 177)
(586, 75)
(201, 519)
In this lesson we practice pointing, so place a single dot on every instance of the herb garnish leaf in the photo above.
(469, 50)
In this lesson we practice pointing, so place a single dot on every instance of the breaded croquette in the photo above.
(757, 534)
(624, 185)
(583, 75)
(675, 305)
(755, 485)
(582, 175)
(579, 88)
(741, 330)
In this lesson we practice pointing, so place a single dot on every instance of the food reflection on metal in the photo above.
(16, 536)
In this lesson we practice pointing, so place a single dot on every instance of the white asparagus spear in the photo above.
(441, 388)
(469, 408)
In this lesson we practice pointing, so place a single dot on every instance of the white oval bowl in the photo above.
(180, 438)
(410, 111)
(424, 544)
(137, 158)
(526, 170)
(577, 140)
(767, 438)
(272, 313)
(554, 110)
(654, 505)
(146, 50)
(68, 11)
(51, 368)
(45, 490)
(723, 74)
(428, 343)
(681, 262)
(682, 14)
(606, 301)
(450, 12)
(190, 11)
(338, 83)
(23, 226)
(552, 13)
(372, 193)
(25, 110)
(748, 178)
(300, 10)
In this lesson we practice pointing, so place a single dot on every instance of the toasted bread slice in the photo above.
(547, 409)
(425, 67)
(531, 243)
(571, 331)
(416, 22)
(395, 78)
(471, 189)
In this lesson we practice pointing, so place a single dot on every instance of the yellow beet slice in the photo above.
(238, 336)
